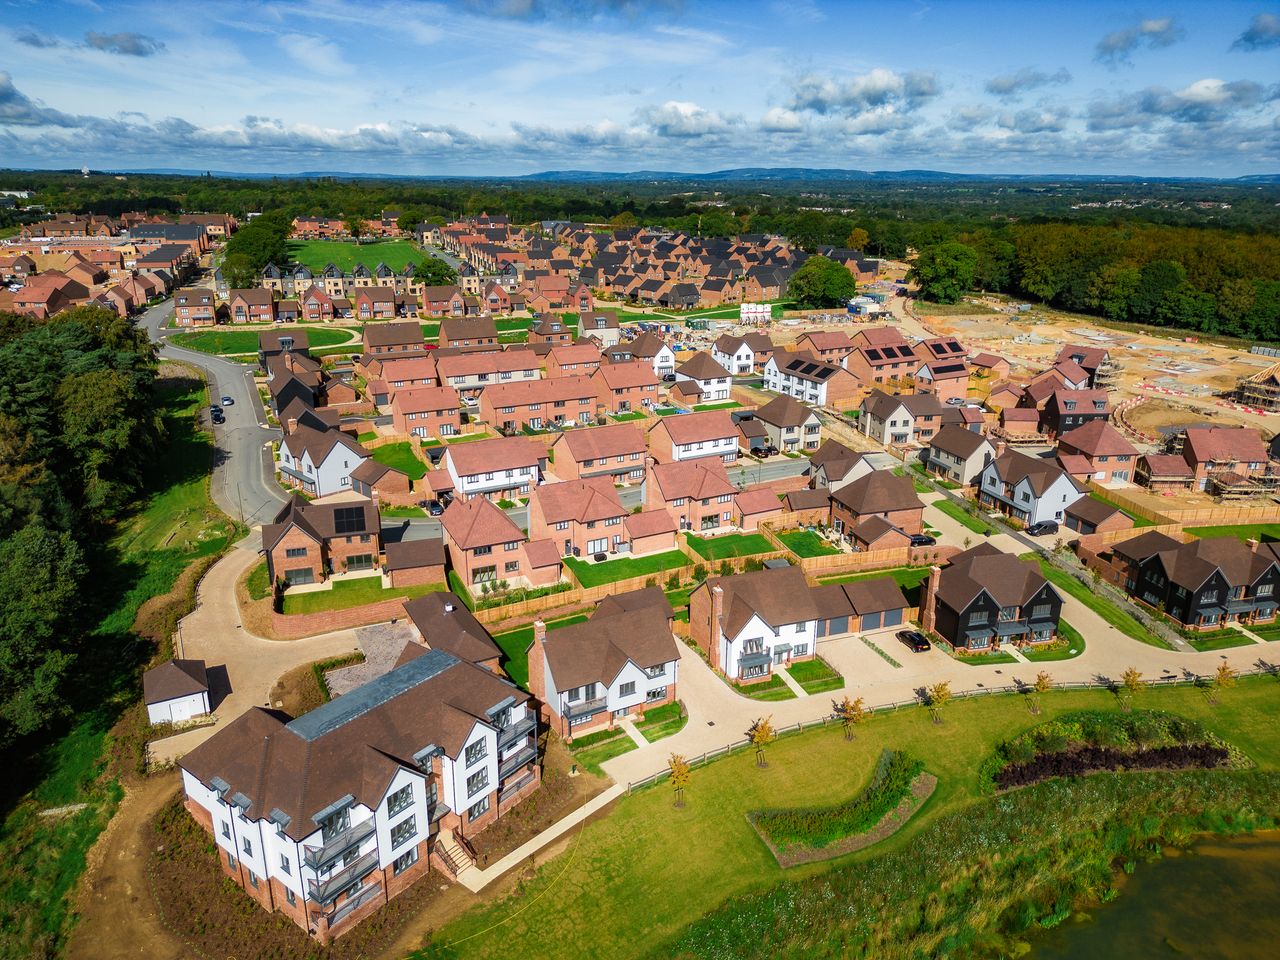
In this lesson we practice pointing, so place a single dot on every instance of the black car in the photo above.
(214, 409)
(435, 508)
(1041, 527)
(922, 540)
(218, 418)
(916, 640)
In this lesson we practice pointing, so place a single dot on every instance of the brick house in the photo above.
(194, 307)
(374, 303)
(392, 339)
(381, 483)
(697, 494)
(616, 450)
(1067, 410)
(693, 436)
(538, 404)
(1211, 451)
(829, 346)
(620, 663)
(327, 817)
(485, 546)
(879, 494)
(316, 304)
(581, 517)
(253, 305)
(475, 332)
(1097, 451)
(571, 360)
(882, 355)
(551, 329)
(626, 387)
(443, 301)
(309, 540)
(427, 412)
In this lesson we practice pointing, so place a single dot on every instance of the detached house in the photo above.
(485, 546)
(652, 349)
(701, 380)
(1222, 451)
(874, 505)
(474, 333)
(752, 622)
(501, 468)
(319, 462)
(1097, 451)
(194, 306)
(900, 419)
(308, 541)
(581, 517)
(745, 354)
(985, 597)
(616, 451)
(1026, 488)
(254, 305)
(326, 817)
(833, 465)
(697, 494)
(957, 454)
(1068, 410)
(790, 425)
(600, 325)
(695, 435)
(620, 663)
(831, 347)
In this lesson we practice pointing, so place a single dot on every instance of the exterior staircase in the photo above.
(454, 853)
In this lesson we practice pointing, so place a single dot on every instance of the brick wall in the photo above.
(294, 625)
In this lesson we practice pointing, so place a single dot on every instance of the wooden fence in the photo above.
(1209, 515)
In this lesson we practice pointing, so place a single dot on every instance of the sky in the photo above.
(507, 87)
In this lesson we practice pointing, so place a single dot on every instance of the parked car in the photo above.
(955, 401)
(218, 418)
(228, 401)
(435, 508)
(214, 408)
(922, 540)
(1041, 527)
(916, 640)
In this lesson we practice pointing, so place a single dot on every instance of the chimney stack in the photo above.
(927, 600)
(539, 631)
(1000, 446)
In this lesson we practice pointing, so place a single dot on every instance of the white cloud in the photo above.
(868, 91)
(781, 120)
(1118, 46)
(315, 54)
(681, 118)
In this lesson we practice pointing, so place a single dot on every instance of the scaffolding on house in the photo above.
(1229, 485)
(1105, 377)
(1260, 390)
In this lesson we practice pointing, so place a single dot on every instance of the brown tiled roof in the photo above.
(1009, 581)
(819, 497)
(319, 519)
(875, 595)
(785, 411)
(628, 373)
(958, 441)
(778, 596)
(649, 523)
(497, 361)
(1092, 510)
(468, 328)
(581, 500)
(757, 501)
(1098, 438)
(598, 650)
(497, 453)
(870, 530)
(701, 366)
(446, 624)
(477, 523)
(542, 553)
(270, 339)
(519, 393)
(411, 554)
(828, 340)
(633, 600)
(392, 334)
(879, 492)
(1013, 465)
(422, 399)
(1221, 444)
(696, 479)
(319, 443)
(698, 427)
(1167, 465)
(1191, 564)
(174, 679)
(351, 746)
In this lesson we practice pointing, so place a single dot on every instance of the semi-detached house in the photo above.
(629, 387)
(900, 420)
(429, 412)
(319, 462)
(816, 382)
(326, 817)
(501, 468)
(711, 433)
(470, 373)
(616, 450)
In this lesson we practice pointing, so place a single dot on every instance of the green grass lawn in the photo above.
(345, 254)
(1245, 531)
(352, 593)
(624, 568)
(468, 437)
(908, 578)
(258, 583)
(402, 512)
(1069, 645)
(730, 545)
(1137, 520)
(515, 648)
(960, 309)
(815, 676)
(367, 436)
(1268, 633)
(960, 515)
(590, 758)
(246, 341)
(626, 417)
(721, 405)
(400, 456)
(1100, 605)
(663, 721)
(806, 543)
(430, 331)
(984, 659)
(707, 852)
(775, 688)
(1220, 640)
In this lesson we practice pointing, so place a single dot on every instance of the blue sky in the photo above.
(516, 86)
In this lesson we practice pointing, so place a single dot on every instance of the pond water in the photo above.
(1217, 901)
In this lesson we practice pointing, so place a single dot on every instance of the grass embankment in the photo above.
(176, 528)
(400, 456)
(730, 545)
(315, 255)
(1099, 604)
(806, 543)
(353, 593)
(624, 568)
(943, 875)
(957, 513)
(246, 341)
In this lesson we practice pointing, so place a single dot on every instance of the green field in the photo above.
(614, 897)
(515, 648)
(246, 341)
(730, 545)
(1245, 531)
(624, 568)
(352, 593)
(345, 254)
(806, 543)
(400, 456)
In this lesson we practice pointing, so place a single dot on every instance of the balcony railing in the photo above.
(318, 857)
(354, 904)
(513, 732)
(587, 707)
(516, 761)
(325, 893)
(513, 788)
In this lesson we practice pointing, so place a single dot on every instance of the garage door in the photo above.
(870, 621)
(892, 618)
(837, 626)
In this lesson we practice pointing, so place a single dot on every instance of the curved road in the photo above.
(243, 482)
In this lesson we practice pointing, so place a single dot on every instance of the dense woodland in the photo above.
(1197, 255)
(78, 424)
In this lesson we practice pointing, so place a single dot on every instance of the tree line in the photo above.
(78, 422)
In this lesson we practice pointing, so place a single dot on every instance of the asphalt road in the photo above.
(243, 483)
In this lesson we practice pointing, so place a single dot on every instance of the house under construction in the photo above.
(1261, 390)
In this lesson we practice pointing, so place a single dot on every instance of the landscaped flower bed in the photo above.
(1080, 743)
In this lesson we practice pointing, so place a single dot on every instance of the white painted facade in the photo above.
(726, 448)
(633, 686)
(522, 478)
(331, 475)
(741, 361)
(795, 639)
(1022, 500)
(179, 709)
(713, 389)
(664, 361)
(781, 381)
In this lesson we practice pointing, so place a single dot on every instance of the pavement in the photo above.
(243, 483)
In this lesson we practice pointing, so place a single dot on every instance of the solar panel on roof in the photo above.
(938, 348)
(348, 520)
(809, 368)
(954, 347)
(873, 354)
(948, 367)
